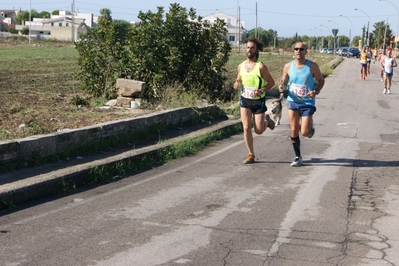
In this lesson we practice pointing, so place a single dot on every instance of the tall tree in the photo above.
(381, 35)
(24, 16)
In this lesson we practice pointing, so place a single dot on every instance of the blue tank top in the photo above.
(301, 81)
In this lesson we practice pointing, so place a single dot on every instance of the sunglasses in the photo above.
(300, 49)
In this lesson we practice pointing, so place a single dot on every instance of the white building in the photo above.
(66, 26)
(235, 27)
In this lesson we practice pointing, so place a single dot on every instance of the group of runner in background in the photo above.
(385, 60)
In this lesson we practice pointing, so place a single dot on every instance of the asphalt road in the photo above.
(340, 208)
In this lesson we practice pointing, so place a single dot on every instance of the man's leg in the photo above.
(389, 83)
(306, 127)
(259, 123)
(246, 119)
(293, 119)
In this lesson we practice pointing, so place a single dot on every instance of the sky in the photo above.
(288, 17)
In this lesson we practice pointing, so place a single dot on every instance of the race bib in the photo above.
(249, 93)
(299, 90)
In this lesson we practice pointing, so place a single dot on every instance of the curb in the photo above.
(55, 182)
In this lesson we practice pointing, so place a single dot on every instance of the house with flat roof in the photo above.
(66, 26)
(235, 27)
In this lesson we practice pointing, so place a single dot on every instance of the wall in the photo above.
(39, 146)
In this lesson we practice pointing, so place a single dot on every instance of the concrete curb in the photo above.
(53, 182)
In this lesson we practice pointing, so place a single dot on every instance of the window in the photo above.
(232, 38)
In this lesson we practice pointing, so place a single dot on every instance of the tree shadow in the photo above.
(349, 162)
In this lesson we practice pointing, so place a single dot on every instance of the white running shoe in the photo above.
(385, 91)
(297, 162)
(389, 91)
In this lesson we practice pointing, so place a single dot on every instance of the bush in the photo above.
(166, 49)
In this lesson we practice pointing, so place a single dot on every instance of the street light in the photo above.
(326, 27)
(334, 23)
(335, 33)
(397, 26)
(368, 24)
(350, 30)
(317, 37)
(322, 36)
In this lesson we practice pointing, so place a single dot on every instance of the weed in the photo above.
(79, 101)
(9, 204)
(134, 165)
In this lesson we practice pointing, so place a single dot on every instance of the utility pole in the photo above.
(30, 17)
(385, 34)
(239, 29)
(73, 21)
(256, 20)
(237, 42)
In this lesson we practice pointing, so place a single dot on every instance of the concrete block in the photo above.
(9, 151)
(123, 101)
(130, 88)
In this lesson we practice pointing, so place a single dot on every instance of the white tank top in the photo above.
(388, 62)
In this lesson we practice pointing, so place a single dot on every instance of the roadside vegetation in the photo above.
(41, 93)
(50, 86)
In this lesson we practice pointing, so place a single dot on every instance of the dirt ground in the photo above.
(28, 117)
(37, 93)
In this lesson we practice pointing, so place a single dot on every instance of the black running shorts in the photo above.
(256, 106)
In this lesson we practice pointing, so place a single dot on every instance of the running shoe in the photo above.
(385, 91)
(297, 162)
(250, 159)
(312, 131)
(270, 122)
(389, 91)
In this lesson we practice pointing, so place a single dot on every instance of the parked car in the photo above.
(329, 51)
(353, 52)
(343, 51)
(323, 50)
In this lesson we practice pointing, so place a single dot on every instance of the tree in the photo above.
(103, 55)
(176, 49)
(24, 16)
(382, 34)
(181, 51)
(43, 14)
(356, 40)
(266, 36)
(25, 31)
(343, 41)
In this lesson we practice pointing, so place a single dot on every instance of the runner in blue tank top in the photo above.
(300, 75)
